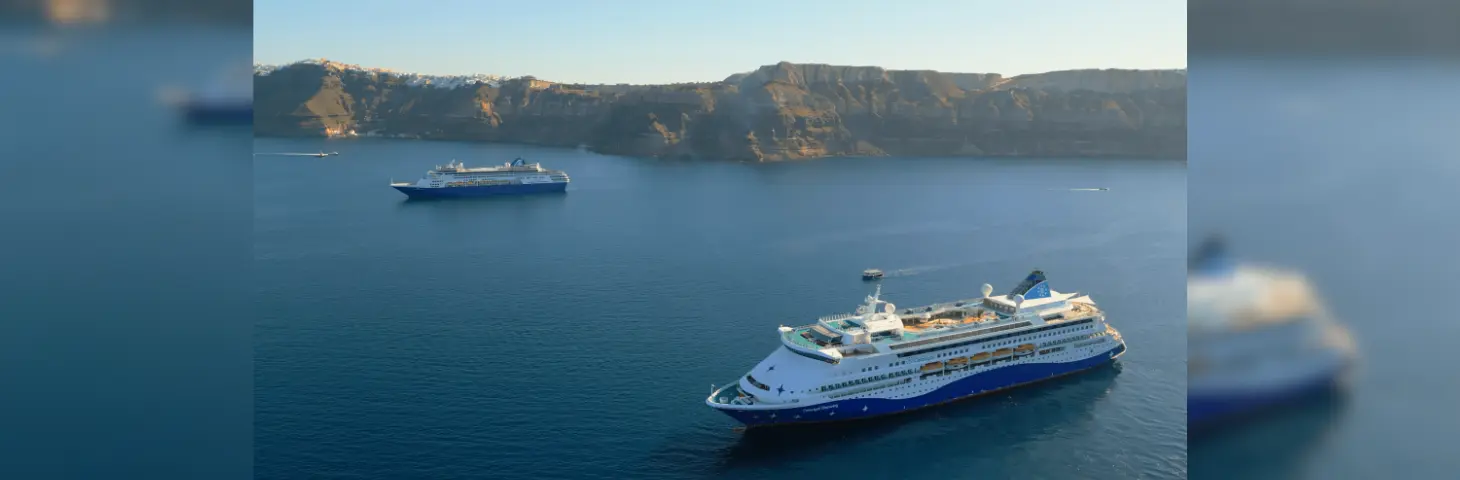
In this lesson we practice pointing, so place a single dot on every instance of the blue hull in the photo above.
(1206, 409)
(483, 191)
(859, 408)
(219, 114)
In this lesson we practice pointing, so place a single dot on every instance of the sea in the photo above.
(125, 313)
(1343, 169)
(577, 335)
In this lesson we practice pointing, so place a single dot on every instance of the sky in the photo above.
(647, 41)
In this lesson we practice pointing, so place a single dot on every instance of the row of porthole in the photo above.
(1009, 342)
(870, 391)
(940, 355)
(827, 388)
(967, 372)
(898, 388)
(879, 367)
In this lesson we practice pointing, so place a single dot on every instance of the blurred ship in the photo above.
(227, 100)
(1258, 338)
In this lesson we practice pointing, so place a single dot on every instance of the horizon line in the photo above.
(257, 63)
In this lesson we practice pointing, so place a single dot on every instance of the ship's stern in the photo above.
(1119, 342)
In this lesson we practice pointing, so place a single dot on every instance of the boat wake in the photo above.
(908, 272)
(316, 154)
(1100, 189)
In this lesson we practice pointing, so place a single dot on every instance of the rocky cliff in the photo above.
(777, 112)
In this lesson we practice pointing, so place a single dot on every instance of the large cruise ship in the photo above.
(456, 180)
(880, 360)
(1258, 338)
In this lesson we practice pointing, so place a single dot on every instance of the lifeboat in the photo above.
(934, 367)
(957, 363)
(1003, 352)
(979, 359)
(1025, 349)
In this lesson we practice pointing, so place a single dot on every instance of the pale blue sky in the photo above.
(648, 41)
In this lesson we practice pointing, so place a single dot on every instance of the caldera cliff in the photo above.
(777, 112)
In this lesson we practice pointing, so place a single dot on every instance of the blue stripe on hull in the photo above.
(483, 191)
(1204, 409)
(982, 383)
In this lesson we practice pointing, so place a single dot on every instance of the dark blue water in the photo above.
(1343, 168)
(577, 335)
(124, 258)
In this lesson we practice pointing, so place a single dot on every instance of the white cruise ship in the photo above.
(1257, 338)
(456, 180)
(880, 360)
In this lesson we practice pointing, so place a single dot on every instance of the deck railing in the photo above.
(917, 309)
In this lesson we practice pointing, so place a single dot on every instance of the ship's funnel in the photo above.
(1210, 258)
(988, 289)
(1033, 286)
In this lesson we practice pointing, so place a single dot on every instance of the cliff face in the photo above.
(1109, 81)
(777, 112)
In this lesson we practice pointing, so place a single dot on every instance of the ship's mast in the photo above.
(872, 299)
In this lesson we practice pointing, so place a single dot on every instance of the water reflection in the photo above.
(1279, 443)
(484, 204)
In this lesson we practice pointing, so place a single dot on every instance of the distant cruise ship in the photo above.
(455, 180)
(1257, 338)
(881, 361)
(228, 100)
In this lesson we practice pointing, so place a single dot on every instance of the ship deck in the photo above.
(725, 394)
(928, 326)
